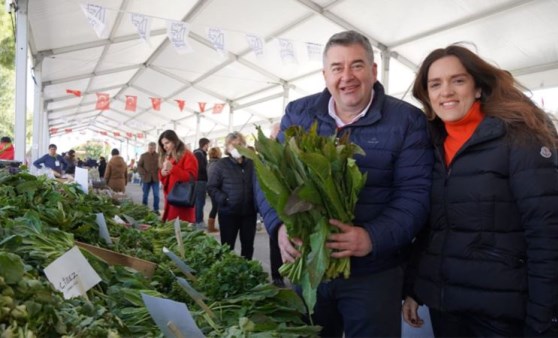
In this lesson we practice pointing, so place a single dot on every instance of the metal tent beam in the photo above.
(22, 24)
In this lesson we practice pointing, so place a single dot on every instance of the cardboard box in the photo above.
(144, 267)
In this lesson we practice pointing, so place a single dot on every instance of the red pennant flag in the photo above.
(68, 130)
(140, 135)
(104, 133)
(102, 101)
(156, 103)
(218, 108)
(202, 106)
(181, 104)
(116, 133)
(53, 130)
(129, 135)
(131, 103)
(74, 92)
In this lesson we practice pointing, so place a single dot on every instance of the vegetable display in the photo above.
(308, 180)
(40, 219)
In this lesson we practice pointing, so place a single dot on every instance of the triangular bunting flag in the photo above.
(156, 103)
(287, 51)
(139, 135)
(68, 130)
(129, 135)
(181, 104)
(102, 101)
(202, 106)
(97, 18)
(53, 130)
(74, 92)
(116, 133)
(218, 108)
(256, 43)
(217, 38)
(142, 24)
(177, 31)
(104, 133)
(131, 103)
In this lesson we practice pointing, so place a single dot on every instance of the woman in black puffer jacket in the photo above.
(487, 264)
(230, 185)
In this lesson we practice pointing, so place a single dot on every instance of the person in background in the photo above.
(392, 206)
(148, 169)
(102, 166)
(201, 184)
(116, 173)
(131, 169)
(79, 162)
(91, 163)
(230, 185)
(176, 164)
(214, 156)
(51, 160)
(487, 264)
(71, 162)
(6, 149)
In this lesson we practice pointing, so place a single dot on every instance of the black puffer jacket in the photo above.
(492, 246)
(230, 184)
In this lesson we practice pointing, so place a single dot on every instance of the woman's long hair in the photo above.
(179, 147)
(501, 95)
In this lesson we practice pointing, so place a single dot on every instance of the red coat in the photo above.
(188, 165)
(6, 151)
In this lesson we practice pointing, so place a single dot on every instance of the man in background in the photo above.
(148, 166)
(201, 184)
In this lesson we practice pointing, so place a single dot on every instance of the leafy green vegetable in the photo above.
(308, 180)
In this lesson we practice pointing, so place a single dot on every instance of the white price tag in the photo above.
(103, 229)
(82, 178)
(72, 274)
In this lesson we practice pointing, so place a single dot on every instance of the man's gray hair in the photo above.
(348, 38)
(152, 144)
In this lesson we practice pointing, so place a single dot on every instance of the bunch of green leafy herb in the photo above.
(308, 180)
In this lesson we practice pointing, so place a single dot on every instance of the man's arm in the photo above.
(408, 209)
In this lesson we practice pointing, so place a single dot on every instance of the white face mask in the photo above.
(235, 154)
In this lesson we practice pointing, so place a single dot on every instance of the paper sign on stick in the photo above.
(103, 229)
(178, 234)
(72, 274)
(166, 311)
(186, 270)
(82, 178)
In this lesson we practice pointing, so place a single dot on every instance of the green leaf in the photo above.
(296, 205)
(11, 267)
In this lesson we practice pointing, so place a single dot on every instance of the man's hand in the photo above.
(352, 241)
(288, 252)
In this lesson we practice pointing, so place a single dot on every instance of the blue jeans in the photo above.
(363, 306)
(201, 191)
(151, 185)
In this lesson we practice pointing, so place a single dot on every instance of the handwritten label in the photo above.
(103, 229)
(72, 274)
(82, 179)
(171, 317)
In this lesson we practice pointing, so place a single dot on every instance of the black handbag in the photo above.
(183, 194)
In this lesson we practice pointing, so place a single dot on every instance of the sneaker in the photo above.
(157, 212)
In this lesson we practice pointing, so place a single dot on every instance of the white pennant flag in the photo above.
(217, 38)
(142, 24)
(287, 51)
(256, 43)
(97, 18)
(177, 31)
(314, 51)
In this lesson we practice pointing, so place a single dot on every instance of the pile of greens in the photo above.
(41, 219)
(308, 180)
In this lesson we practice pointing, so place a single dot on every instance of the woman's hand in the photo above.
(410, 313)
(167, 166)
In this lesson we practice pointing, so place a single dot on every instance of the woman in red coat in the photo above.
(176, 164)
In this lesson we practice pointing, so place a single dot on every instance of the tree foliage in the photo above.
(7, 75)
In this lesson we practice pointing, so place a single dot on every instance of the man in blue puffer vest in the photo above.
(393, 205)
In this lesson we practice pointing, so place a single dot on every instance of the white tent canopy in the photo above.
(519, 36)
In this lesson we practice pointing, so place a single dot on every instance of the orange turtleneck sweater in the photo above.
(461, 131)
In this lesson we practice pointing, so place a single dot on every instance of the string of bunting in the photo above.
(177, 33)
(131, 102)
(128, 135)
